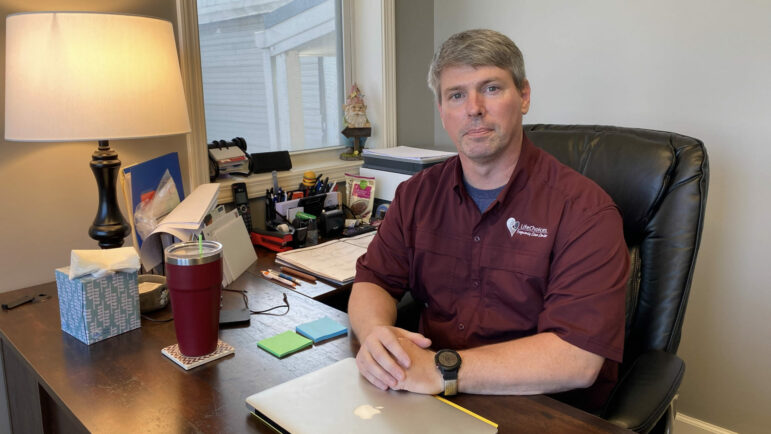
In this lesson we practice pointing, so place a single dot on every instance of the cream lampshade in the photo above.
(75, 76)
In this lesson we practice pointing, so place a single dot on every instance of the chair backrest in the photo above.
(659, 181)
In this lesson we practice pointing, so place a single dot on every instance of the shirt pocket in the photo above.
(515, 284)
(441, 265)
(523, 262)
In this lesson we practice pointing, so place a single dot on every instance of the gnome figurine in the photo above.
(357, 125)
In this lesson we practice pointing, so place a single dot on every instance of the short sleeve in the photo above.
(584, 302)
(386, 262)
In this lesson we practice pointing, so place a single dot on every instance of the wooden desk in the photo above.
(55, 383)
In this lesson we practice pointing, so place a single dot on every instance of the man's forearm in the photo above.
(368, 307)
(542, 363)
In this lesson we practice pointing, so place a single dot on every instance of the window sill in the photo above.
(326, 162)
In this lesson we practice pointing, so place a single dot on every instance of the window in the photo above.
(272, 72)
(368, 35)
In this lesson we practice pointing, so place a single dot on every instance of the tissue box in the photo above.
(95, 309)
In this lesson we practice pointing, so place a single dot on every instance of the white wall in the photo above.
(698, 68)
(414, 47)
(47, 191)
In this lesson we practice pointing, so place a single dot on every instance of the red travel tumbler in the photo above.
(194, 278)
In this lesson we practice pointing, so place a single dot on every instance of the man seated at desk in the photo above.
(519, 261)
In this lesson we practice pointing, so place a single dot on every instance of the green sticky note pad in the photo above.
(284, 344)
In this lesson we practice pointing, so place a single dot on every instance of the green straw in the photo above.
(200, 244)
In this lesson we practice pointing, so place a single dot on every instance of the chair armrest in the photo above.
(644, 393)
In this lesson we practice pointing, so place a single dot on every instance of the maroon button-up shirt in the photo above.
(548, 255)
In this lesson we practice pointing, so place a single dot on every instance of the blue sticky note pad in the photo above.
(321, 329)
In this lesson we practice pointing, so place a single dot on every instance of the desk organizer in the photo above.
(93, 309)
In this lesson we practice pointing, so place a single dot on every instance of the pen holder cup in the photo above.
(300, 233)
(313, 204)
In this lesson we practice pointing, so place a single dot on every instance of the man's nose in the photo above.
(475, 105)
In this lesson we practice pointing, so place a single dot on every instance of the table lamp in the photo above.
(82, 76)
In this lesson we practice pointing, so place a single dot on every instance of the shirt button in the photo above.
(475, 283)
(476, 238)
(461, 326)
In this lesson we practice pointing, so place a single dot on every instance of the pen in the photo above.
(282, 278)
(274, 174)
(299, 274)
(277, 279)
(285, 276)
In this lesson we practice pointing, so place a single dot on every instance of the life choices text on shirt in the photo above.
(518, 228)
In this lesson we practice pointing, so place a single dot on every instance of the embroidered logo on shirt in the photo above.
(513, 225)
(516, 227)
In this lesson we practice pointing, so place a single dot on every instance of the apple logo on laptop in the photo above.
(367, 411)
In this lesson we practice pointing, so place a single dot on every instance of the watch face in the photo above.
(448, 359)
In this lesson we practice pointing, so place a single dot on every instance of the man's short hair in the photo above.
(480, 47)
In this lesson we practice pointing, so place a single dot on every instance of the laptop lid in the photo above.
(337, 399)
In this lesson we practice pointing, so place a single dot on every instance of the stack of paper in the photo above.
(185, 221)
(408, 153)
(237, 249)
(334, 260)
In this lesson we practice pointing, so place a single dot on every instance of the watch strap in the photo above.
(448, 369)
(450, 387)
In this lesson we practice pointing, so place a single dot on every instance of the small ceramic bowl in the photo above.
(153, 293)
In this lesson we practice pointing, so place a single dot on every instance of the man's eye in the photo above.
(456, 95)
(492, 88)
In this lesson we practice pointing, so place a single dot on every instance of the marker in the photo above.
(277, 279)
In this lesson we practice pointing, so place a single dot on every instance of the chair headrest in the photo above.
(632, 165)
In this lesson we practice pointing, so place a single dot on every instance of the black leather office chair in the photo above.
(659, 181)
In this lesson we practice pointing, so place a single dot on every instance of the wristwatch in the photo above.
(448, 362)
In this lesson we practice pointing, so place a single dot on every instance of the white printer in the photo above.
(391, 166)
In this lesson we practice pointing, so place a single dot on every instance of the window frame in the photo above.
(369, 60)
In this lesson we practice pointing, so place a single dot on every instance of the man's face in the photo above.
(482, 109)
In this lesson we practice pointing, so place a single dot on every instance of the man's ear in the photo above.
(525, 94)
(439, 108)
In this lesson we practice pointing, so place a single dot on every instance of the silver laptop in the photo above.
(336, 399)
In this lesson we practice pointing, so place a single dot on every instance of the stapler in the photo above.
(272, 240)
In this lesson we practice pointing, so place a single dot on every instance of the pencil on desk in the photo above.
(467, 411)
(299, 274)
(274, 277)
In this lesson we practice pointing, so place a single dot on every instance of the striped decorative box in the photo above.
(93, 309)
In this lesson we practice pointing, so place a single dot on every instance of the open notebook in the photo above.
(334, 260)
(336, 399)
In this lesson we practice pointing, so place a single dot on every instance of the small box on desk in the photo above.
(93, 309)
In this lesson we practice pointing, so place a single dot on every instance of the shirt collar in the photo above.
(519, 177)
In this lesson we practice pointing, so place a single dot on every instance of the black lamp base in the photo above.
(109, 227)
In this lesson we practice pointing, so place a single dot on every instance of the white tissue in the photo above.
(102, 262)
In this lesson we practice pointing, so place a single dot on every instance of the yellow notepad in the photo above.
(284, 344)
